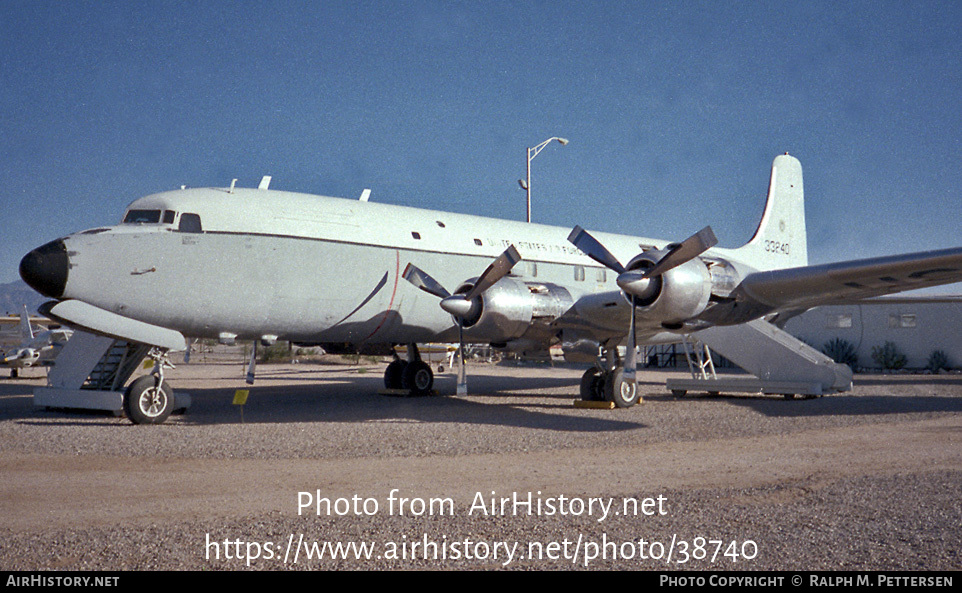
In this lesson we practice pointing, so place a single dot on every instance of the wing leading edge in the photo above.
(811, 286)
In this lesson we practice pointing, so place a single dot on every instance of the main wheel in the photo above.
(393, 374)
(145, 404)
(617, 389)
(418, 378)
(592, 383)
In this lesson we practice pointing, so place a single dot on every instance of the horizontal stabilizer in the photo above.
(811, 286)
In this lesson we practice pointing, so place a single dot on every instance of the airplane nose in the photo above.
(45, 269)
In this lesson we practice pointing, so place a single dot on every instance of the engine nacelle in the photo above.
(513, 309)
(679, 294)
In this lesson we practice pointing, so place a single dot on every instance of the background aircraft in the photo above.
(35, 348)
(258, 264)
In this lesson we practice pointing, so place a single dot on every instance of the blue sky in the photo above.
(674, 111)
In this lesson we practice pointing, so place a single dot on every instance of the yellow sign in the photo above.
(240, 397)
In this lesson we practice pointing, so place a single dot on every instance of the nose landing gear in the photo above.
(149, 400)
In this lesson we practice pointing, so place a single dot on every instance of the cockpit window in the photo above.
(169, 216)
(142, 216)
(190, 223)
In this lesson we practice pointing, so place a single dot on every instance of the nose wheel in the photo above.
(149, 399)
(146, 402)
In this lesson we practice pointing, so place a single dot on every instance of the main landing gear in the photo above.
(413, 375)
(606, 381)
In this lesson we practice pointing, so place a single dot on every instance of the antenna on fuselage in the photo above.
(365, 195)
(265, 182)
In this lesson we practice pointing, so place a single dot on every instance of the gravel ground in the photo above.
(863, 480)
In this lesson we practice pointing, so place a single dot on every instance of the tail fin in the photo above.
(780, 240)
(26, 331)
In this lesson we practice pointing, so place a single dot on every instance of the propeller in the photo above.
(594, 249)
(252, 364)
(463, 305)
(635, 281)
(641, 283)
(190, 348)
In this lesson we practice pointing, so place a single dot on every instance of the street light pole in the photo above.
(531, 153)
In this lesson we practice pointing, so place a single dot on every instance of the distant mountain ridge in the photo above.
(14, 295)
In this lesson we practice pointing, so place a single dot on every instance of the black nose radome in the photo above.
(45, 269)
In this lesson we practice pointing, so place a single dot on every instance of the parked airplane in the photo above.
(36, 347)
(259, 264)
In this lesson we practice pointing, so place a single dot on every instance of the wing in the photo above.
(810, 286)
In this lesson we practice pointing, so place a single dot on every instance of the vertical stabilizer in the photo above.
(780, 240)
(26, 331)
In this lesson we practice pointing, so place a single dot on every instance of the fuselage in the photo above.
(253, 263)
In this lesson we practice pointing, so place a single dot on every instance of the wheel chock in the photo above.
(594, 405)
(404, 393)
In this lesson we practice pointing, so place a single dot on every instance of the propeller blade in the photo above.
(687, 250)
(253, 363)
(631, 363)
(462, 372)
(498, 269)
(455, 304)
(594, 249)
(425, 282)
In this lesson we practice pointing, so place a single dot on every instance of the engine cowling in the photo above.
(513, 309)
(674, 296)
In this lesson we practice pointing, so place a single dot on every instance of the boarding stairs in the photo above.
(116, 366)
(91, 372)
(780, 363)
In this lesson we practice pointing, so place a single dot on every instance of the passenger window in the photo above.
(579, 273)
(189, 223)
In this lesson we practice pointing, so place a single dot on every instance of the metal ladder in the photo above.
(699, 359)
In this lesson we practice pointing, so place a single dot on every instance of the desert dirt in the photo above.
(863, 480)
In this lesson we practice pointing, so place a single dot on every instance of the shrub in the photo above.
(276, 352)
(888, 356)
(938, 361)
(842, 352)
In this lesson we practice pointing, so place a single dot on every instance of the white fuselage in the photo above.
(318, 269)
